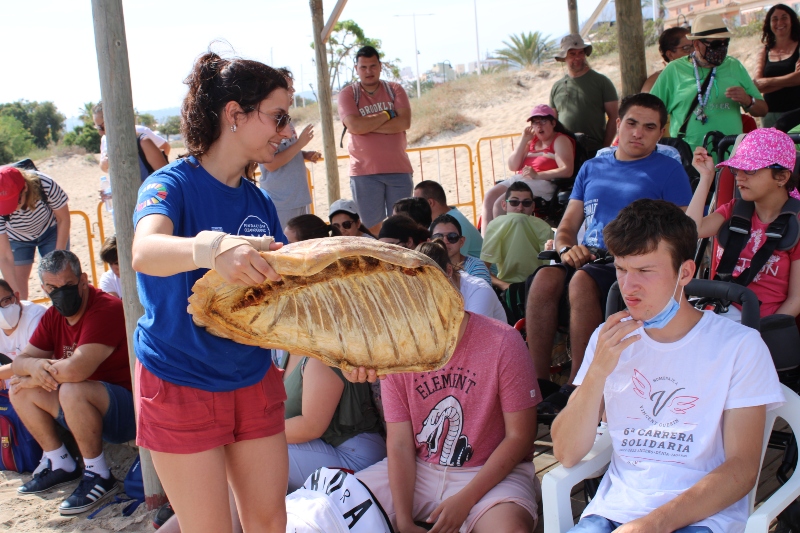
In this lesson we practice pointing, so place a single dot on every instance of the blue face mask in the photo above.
(668, 313)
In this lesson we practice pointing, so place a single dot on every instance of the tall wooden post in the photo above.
(325, 104)
(572, 6)
(115, 87)
(630, 36)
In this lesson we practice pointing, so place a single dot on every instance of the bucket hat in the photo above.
(573, 41)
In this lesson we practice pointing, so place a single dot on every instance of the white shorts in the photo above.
(541, 188)
(436, 483)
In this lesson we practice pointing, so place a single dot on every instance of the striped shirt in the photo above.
(28, 225)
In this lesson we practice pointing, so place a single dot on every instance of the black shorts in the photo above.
(604, 275)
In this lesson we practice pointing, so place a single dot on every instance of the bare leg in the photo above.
(258, 472)
(198, 489)
(498, 206)
(23, 272)
(84, 405)
(584, 317)
(541, 317)
(487, 211)
(172, 526)
(38, 409)
(507, 517)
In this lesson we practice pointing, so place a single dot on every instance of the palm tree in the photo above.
(527, 49)
(86, 114)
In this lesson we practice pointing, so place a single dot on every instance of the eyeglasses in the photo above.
(735, 171)
(347, 224)
(684, 48)
(538, 121)
(514, 202)
(715, 43)
(451, 237)
(8, 300)
(282, 120)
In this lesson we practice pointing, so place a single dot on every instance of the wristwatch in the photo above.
(752, 103)
(564, 250)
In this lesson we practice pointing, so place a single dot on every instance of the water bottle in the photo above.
(105, 189)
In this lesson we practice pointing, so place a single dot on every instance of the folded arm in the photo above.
(398, 124)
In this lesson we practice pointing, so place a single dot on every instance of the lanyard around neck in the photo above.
(702, 99)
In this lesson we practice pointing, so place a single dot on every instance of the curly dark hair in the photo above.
(767, 37)
(213, 83)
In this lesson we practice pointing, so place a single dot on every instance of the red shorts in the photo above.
(177, 419)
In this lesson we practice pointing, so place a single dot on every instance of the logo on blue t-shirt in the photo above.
(151, 194)
(252, 225)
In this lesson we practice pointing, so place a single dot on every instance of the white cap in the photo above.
(343, 204)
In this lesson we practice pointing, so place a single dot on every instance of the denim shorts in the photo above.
(376, 194)
(597, 524)
(119, 422)
(25, 250)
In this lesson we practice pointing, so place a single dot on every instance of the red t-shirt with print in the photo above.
(771, 284)
(103, 322)
(456, 412)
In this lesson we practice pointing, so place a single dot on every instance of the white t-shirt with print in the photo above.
(664, 404)
(479, 297)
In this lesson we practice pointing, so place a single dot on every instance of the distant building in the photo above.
(442, 72)
(460, 69)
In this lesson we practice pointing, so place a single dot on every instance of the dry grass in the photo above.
(306, 115)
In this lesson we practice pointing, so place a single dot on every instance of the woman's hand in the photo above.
(362, 375)
(306, 135)
(703, 162)
(738, 95)
(245, 266)
(528, 172)
(527, 133)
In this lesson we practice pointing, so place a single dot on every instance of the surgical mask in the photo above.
(67, 300)
(668, 313)
(716, 55)
(9, 316)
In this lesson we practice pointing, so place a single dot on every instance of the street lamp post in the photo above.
(477, 43)
(416, 50)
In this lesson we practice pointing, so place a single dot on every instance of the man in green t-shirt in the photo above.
(729, 87)
(586, 101)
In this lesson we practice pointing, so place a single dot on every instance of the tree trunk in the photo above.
(630, 33)
(325, 104)
(115, 86)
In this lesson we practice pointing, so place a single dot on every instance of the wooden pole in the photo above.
(115, 87)
(337, 11)
(325, 104)
(587, 26)
(572, 6)
(630, 33)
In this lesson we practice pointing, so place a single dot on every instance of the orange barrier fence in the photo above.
(100, 229)
(495, 157)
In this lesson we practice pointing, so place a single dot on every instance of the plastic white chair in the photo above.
(557, 484)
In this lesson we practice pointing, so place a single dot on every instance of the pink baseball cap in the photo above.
(762, 148)
(542, 110)
(11, 184)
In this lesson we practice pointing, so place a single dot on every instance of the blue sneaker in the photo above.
(44, 478)
(92, 491)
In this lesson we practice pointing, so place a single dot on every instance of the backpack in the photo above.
(134, 489)
(357, 97)
(333, 500)
(143, 157)
(19, 451)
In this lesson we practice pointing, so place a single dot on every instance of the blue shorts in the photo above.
(376, 194)
(119, 422)
(25, 250)
(597, 524)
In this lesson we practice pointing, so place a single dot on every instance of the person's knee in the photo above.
(583, 289)
(22, 398)
(548, 284)
(74, 396)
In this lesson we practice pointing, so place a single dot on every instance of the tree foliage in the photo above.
(42, 120)
(527, 49)
(86, 137)
(86, 114)
(345, 40)
(171, 126)
(15, 140)
(146, 119)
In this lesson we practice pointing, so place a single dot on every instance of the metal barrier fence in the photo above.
(495, 159)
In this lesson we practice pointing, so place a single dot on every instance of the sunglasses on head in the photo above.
(525, 203)
(451, 237)
(347, 224)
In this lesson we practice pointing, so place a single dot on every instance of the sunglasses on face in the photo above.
(716, 43)
(281, 120)
(347, 224)
(735, 171)
(514, 202)
(451, 237)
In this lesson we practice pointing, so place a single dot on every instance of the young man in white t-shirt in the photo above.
(684, 392)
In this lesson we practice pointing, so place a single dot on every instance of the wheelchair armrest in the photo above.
(557, 485)
(563, 196)
(549, 255)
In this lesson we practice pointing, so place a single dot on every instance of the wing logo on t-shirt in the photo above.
(667, 397)
(455, 447)
(151, 194)
(254, 226)
(69, 350)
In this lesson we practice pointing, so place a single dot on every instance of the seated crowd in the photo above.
(453, 447)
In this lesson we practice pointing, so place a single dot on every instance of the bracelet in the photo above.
(752, 103)
(388, 114)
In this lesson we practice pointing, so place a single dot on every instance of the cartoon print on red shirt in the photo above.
(456, 449)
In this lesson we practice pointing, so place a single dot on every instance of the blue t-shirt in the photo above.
(166, 340)
(606, 185)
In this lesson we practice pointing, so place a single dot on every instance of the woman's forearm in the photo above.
(163, 255)
(62, 233)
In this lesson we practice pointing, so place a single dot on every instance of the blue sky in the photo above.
(49, 47)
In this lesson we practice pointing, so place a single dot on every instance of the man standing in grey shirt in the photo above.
(586, 101)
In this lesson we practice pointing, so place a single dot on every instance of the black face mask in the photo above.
(67, 300)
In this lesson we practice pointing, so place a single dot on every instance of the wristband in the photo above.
(752, 103)
(391, 114)
(208, 245)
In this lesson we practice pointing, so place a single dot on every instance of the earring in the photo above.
(233, 128)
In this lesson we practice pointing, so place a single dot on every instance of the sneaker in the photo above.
(164, 513)
(92, 491)
(44, 478)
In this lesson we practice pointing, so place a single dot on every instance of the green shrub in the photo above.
(15, 140)
(87, 137)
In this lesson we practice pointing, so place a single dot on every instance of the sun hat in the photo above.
(542, 110)
(573, 41)
(11, 184)
(709, 27)
(761, 148)
(343, 204)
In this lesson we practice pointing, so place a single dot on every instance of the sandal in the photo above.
(552, 405)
